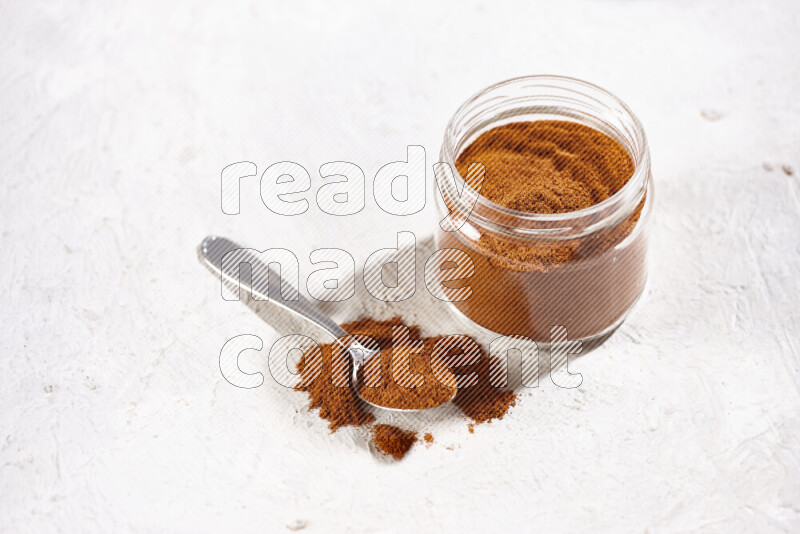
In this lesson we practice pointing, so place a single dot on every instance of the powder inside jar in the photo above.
(327, 383)
(583, 271)
(548, 166)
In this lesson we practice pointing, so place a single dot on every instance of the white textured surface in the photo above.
(115, 122)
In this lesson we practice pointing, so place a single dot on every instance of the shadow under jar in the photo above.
(583, 269)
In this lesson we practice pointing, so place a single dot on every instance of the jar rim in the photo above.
(629, 194)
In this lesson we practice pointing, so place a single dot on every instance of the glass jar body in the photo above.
(582, 270)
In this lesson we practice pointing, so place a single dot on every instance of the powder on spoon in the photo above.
(407, 375)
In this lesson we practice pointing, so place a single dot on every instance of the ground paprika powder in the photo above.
(327, 385)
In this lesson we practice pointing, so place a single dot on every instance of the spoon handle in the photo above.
(217, 253)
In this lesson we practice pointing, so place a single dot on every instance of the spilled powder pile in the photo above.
(325, 378)
(477, 397)
(328, 389)
(393, 441)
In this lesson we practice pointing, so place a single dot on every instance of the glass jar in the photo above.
(513, 289)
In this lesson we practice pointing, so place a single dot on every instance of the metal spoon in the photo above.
(214, 253)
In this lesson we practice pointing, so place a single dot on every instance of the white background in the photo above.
(115, 122)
